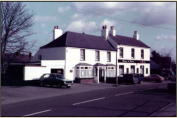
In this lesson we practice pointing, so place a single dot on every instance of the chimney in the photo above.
(112, 31)
(30, 55)
(104, 32)
(136, 36)
(56, 32)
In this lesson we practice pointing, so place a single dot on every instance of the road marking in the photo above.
(88, 101)
(124, 93)
(38, 112)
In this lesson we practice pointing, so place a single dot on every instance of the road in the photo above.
(132, 100)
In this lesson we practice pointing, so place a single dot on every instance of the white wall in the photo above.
(73, 58)
(34, 72)
(127, 52)
(56, 53)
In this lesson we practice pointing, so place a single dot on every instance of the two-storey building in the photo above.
(80, 56)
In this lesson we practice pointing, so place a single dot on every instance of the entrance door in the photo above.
(101, 75)
(59, 71)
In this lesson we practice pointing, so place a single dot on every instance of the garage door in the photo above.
(60, 71)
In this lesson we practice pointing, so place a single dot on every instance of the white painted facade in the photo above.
(67, 58)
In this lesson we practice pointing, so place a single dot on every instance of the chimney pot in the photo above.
(105, 27)
(135, 32)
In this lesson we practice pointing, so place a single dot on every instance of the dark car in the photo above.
(55, 79)
(172, 85)
(128, 78)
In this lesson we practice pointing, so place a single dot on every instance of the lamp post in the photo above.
(116, 65)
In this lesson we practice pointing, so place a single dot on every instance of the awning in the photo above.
(83, 64)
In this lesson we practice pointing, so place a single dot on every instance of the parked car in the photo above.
(54, 79)
(172, 85)
(171, 75)
(154, 77)
(128, 78)
(141, 78)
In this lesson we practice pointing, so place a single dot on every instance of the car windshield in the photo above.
(159, 76)
(59, 77)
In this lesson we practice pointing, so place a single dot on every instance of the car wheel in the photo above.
(41, 84)
(59, 85)
(68, 86)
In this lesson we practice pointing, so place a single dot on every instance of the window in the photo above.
(84, 72)
(142, 69)
(121, 69)
(142, 54)
(132, 69)
(82, 55)
(109, 56)
(132, 53)
(111, 72)
(137, 70)
(97, 56)
(39, 57)
(146, 70)
(127, 70)
(121, 52)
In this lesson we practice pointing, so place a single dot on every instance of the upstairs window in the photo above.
(121, 52)
(108, 56)
(39, 57)
(97, 56)
(142, 54)
(82, 54)
(132, 53)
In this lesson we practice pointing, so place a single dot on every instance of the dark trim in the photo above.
(132, 61)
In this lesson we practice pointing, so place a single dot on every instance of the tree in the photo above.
(16, 23)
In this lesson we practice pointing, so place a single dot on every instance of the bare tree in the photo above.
(16, 23)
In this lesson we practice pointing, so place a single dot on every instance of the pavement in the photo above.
(14, 94)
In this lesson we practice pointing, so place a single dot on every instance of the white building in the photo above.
(83, 57)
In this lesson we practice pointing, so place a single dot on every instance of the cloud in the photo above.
(166, 37)
(77, 26)
(44, 18)
(43, 25)
(63, 9)
(151, 13)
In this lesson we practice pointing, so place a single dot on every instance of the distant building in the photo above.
(155, 68)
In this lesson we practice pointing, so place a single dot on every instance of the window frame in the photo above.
(142, 54)
(132, 53)
(82, 56)
(97, 55)
(121, 52)
(108, 56)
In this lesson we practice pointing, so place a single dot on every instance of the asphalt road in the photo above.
(134, 100)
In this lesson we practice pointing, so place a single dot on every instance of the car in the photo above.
(171, 75)
(172, 85)
(154, 77)
(128, 78)
(55, 79)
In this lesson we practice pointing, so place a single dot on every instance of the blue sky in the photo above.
(91, 16)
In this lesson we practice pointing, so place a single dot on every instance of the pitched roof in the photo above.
(128, 41)
(83, 64)
(72, 39)
(154, 65)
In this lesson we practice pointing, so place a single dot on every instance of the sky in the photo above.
(158, 18)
